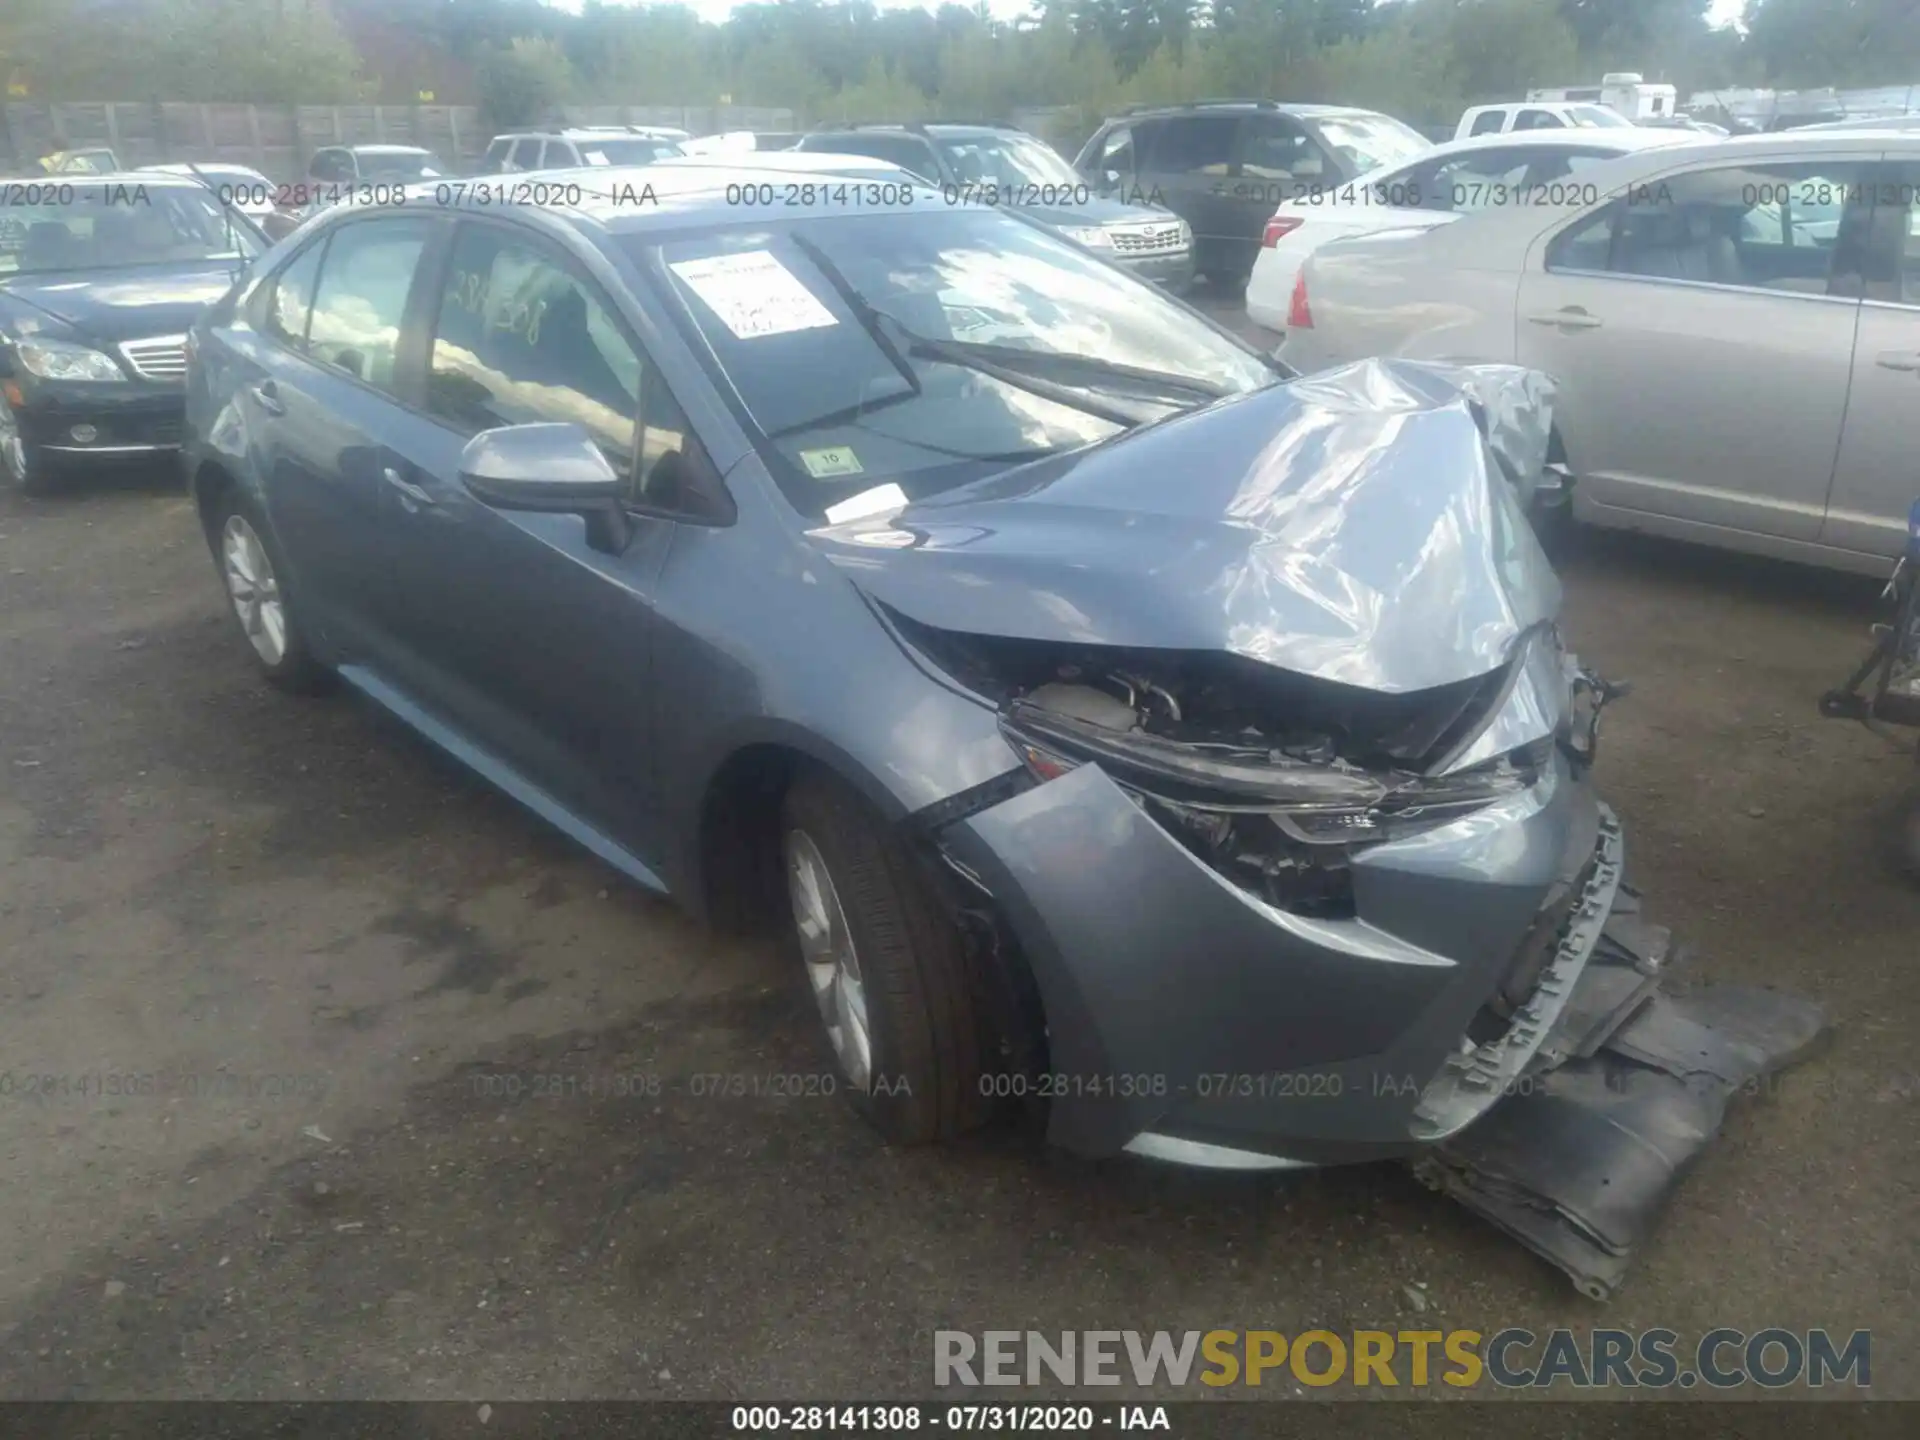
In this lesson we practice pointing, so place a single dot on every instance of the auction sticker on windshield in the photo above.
(833, 460)
(754, 294)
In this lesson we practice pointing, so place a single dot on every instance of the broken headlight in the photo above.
(1307, 791)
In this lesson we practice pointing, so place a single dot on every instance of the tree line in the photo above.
(1423, 60)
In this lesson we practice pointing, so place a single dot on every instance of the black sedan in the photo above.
(100, 279)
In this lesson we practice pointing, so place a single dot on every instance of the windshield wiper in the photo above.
(868, 317)
(1018, 357)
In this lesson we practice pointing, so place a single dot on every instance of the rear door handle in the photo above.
(1571, 318)
(1898, 359)
(413, 499)
(266, 395)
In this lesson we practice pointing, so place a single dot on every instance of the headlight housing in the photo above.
(1094, 237)
(63, 360)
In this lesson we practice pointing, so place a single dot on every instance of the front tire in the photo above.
(887, 967)
(24, 464)
(257, 593)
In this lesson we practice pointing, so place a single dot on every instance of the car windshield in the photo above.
(66, 227)
(1598, 117)
(1009, 161)
(625, 150)
(1367, 142)
(929, 349)
(400, 165)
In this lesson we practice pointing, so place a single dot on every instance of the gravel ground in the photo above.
(336, 957)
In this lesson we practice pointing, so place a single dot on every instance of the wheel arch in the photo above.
(733, 875)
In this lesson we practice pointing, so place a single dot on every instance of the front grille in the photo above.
(1147, 239)
(163, 357)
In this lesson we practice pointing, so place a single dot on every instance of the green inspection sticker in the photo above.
(832, 461)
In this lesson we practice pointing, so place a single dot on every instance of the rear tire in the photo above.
(888, 968)
(259, 597)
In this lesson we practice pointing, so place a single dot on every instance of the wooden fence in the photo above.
(278, 139)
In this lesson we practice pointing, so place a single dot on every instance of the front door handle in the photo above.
(1571, 318)
(267, 396)
(1898, 359)
(413, 499)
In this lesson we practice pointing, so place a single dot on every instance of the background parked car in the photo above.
(247, 190)
(91, 160)
(96, 293)
(1734, 327)
(1530, 167)
(334, 171)
(996, 164)
(1223, 165)
(579, 146)
(356, 164)
(1537, 115)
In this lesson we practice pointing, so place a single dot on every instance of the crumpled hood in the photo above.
(1353, 525)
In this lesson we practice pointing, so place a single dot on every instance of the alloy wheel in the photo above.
(255, 589)
(833, 964)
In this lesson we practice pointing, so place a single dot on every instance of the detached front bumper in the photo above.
(1183, 1011)
(1493, 1012)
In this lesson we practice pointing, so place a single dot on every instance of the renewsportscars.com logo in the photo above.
(1510, 1359)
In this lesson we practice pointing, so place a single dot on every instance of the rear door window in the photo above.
(1539, 120)
(1488, 122)
(361, 297)
(525, 154)
(1275, 147)
(1195, 145)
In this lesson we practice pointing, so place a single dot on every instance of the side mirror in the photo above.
(552, 469)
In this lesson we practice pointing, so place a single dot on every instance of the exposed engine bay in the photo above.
(1267, 776)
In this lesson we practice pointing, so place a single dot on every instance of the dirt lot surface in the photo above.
(327, 958)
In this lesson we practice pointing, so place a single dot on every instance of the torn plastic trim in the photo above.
(1245, 778)
(1471, 1080)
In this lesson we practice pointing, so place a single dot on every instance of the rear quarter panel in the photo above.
(1402, 295)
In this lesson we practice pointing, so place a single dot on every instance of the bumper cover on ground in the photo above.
(1579, 1161)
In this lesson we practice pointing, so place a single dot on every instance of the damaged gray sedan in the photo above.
(1119, 724)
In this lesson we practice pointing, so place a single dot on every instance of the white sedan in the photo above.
(1527, 167)
(1734, 328)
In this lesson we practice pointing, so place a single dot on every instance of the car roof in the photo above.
(1301, 109)
(1626, 139)
(86, 180)
(210, 167)
(381, 149)
(609, 197)
(931, 127)
(794, 162)
(1497, 225)
(596, 132)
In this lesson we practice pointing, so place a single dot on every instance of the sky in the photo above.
(1720, 13)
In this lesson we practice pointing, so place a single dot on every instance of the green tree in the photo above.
(523, 82)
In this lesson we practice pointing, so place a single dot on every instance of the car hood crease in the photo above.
(1354, 525)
